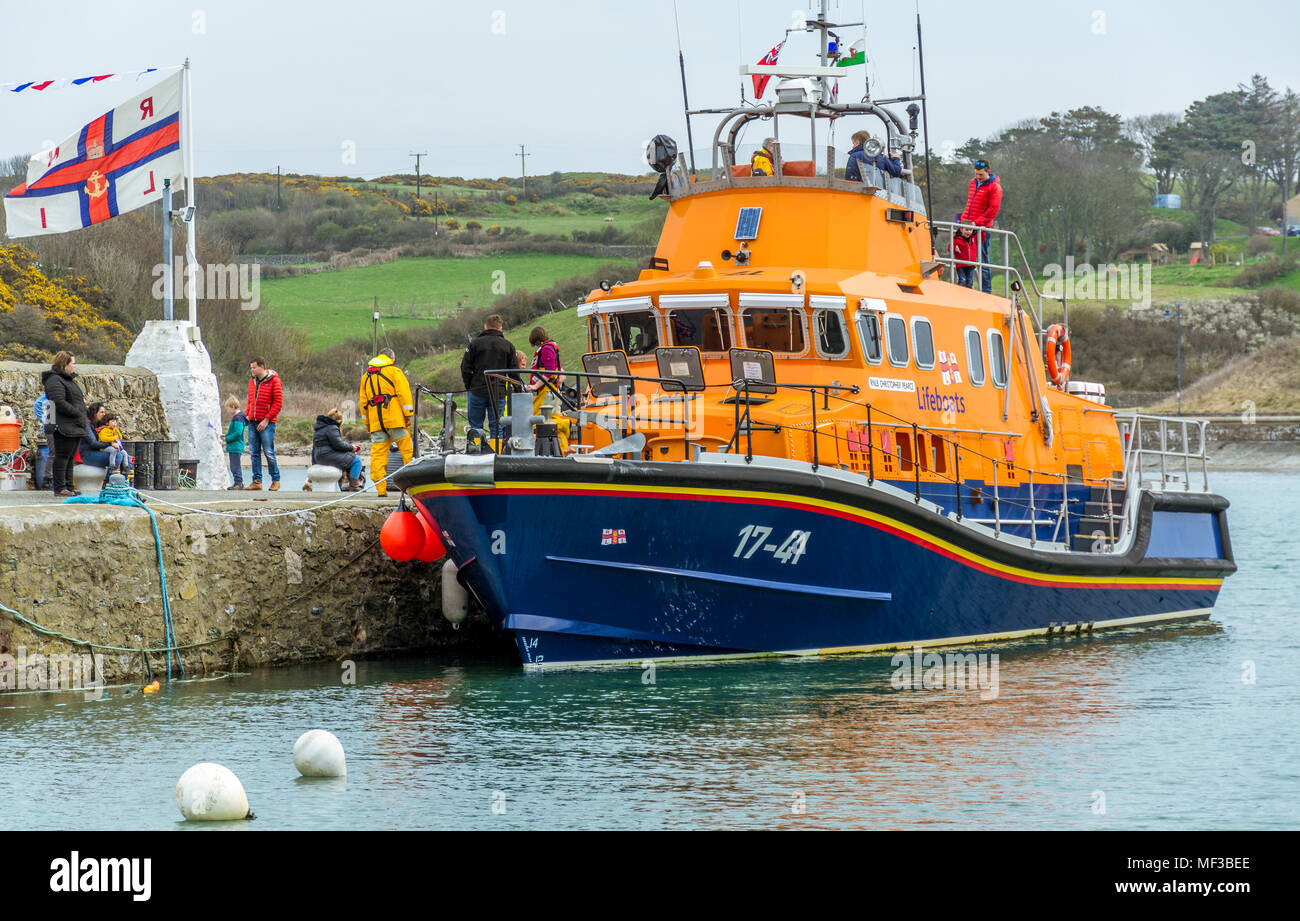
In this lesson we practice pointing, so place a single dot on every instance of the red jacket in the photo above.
(964, 248)
(983, 202)
(265, 398)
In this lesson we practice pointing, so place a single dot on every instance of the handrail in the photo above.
(1008, 269)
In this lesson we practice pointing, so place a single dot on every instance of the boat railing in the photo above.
(944, 255)
(929, 471)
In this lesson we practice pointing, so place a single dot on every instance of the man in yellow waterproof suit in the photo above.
(385, 398)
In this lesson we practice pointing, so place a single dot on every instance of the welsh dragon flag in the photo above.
(115, 164)
(760, 80)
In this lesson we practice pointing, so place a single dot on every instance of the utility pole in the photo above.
(417, 179)
(523, 166)
(435, 212)
(277, 187)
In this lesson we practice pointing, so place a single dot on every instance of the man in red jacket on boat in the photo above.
(982, 204)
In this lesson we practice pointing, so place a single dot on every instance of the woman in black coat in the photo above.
(69, 418)
(329, 448)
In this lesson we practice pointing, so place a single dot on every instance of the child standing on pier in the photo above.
(235, 442)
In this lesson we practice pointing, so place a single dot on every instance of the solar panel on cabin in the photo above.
(747, 223)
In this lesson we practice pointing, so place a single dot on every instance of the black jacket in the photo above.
(488, 351)
(328, 446)
(69, 403)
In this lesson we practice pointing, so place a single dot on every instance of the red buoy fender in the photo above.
(402, 536)
(433, 549)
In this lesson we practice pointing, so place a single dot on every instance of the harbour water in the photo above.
(1156, 729)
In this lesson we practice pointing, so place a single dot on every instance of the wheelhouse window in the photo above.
(974, 357)
(635, 332)
(923, 343)
(593, 334)
(870, 334)
(896, 339)
(706, 328)
(829, 334)
(997, 359)
(776, 329)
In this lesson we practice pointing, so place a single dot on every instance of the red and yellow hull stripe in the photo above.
(833, 509)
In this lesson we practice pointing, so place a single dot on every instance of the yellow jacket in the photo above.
(385, 395)
(761, 163)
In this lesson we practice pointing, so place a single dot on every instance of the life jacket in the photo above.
(378, 389)
(760, 164)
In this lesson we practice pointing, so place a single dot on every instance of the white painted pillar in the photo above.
(174, 352)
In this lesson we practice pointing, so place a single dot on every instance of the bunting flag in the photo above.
(115, 164)
(760, 80)
(40, 86)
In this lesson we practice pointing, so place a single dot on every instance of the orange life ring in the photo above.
(1057, 346)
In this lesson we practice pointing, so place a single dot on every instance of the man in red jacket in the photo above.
(982, 204)
(265, 400)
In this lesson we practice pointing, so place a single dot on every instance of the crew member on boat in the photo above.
(858, 157)
(386, 401)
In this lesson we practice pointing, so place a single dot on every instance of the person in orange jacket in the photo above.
(385, 399)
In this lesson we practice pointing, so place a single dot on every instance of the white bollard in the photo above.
(318, 753)
(210, 792)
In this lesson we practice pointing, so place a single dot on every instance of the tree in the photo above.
(1256, 188)
(1208, 144)
(1144, 130)
(1284, 165)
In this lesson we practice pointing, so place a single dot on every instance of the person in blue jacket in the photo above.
(858, 157)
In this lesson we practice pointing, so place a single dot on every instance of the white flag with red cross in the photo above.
(113, 165)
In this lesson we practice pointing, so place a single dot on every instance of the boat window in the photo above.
(708, 329)
(974, 357)
(830, 338)
(896, 339)
(869, 333)
(997, 359)
(776, 329)
(635, 332)
(593, 334)
(923, 342)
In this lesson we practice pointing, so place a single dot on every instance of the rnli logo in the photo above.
(94, 150)
(948, 366)
(96, 185)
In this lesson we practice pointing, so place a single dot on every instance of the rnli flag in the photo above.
(760, 80)
(115, 164)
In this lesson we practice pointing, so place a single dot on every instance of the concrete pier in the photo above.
(268, 580)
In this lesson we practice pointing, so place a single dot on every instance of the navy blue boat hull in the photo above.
(589, 563)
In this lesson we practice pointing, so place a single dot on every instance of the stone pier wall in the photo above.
(131, 393)
(312, 585)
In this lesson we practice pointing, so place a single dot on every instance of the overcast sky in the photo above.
(583, 83)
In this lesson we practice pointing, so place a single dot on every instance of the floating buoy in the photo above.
(150, 688)
(402, 536)
(433, 549)
(455, 600)
(209, 792)
(318, 753)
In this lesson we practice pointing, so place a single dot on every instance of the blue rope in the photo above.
(121, 494)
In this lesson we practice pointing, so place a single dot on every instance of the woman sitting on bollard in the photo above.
(96, 453)
(329, 448)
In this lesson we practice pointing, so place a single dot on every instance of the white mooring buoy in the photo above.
(318, 753)
(210, 792)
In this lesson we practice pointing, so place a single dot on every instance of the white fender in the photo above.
(455, 600)
(210, 792)
(318, 753)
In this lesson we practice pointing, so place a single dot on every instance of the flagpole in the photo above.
(191, 242)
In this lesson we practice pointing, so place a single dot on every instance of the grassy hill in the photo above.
(1268, 379)
(442, 371)
(333, 306)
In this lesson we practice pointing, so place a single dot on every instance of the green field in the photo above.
(564, 326)
(333, 306)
